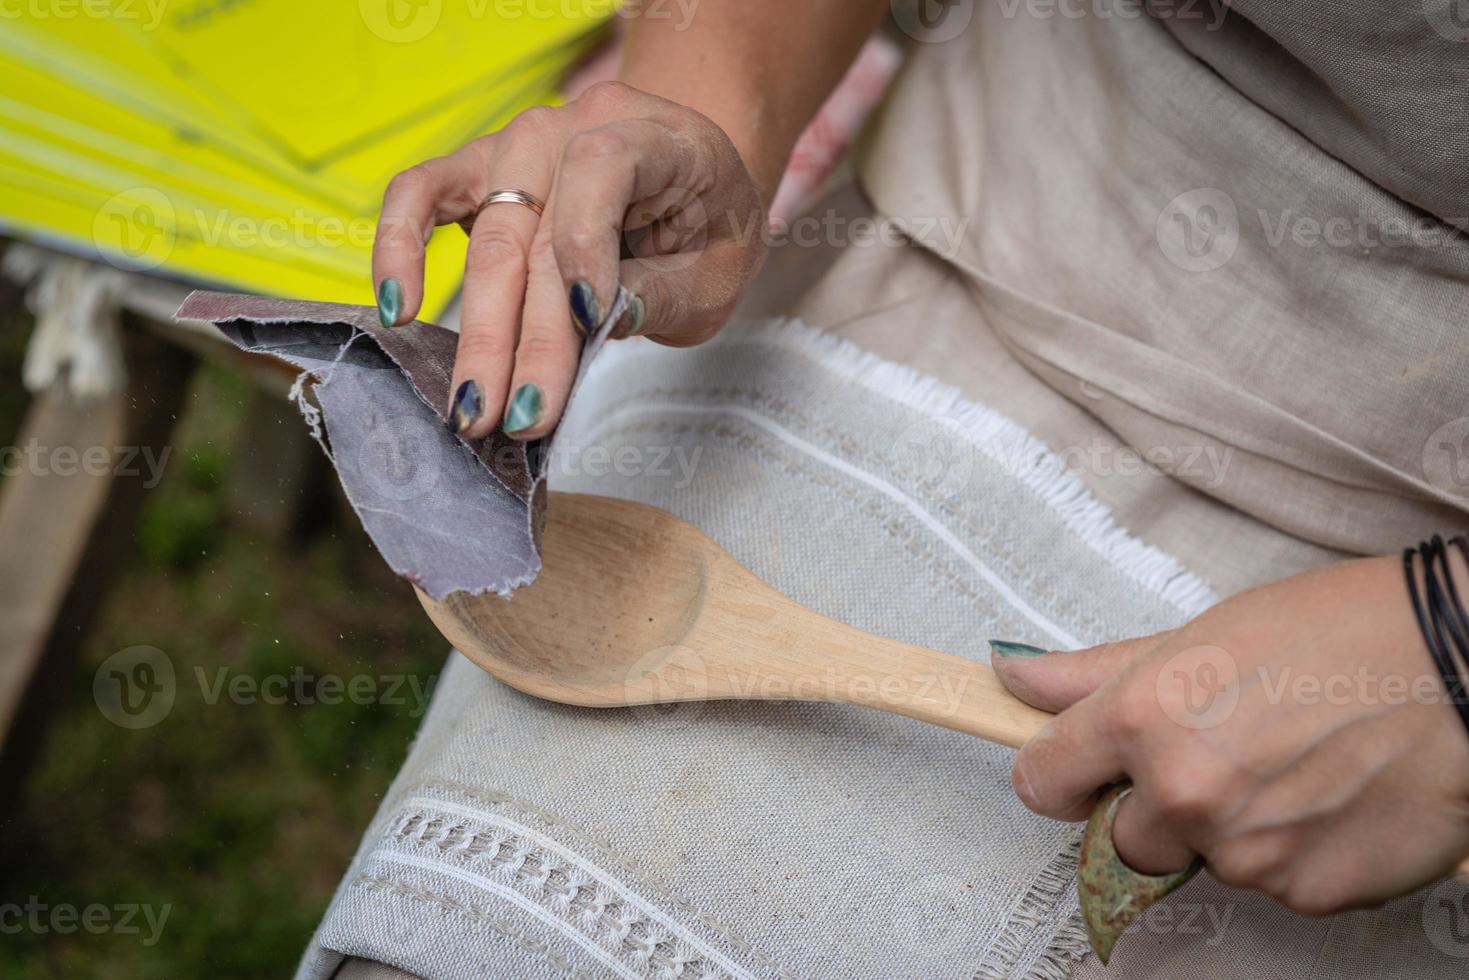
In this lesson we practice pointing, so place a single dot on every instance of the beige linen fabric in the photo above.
(1186, 263)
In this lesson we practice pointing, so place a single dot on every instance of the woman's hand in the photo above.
(1297, 736)
(638, 191)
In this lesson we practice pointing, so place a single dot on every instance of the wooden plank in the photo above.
(65, 518)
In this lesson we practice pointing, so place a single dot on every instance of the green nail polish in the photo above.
(524, 410)
(639, 314)
(389, 301)
(1005, 648)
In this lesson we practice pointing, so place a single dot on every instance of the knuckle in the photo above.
(607, 96)
(484, 346)
(1134, 711)
(535, 123)
(573, 242)
(542, 258)
(1186, 793)
(541, 347)
(496, 244)
(1242, 864)
(410, 181)
(592, 144)
(1312, 896)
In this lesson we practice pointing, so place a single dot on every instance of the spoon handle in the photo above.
(801, 655)
(943, 689)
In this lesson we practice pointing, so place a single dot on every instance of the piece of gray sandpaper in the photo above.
(446, 514)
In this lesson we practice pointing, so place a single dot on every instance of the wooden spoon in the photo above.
(635, 606)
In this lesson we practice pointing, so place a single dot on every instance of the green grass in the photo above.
(239, 818)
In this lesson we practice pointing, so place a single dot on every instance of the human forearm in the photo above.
(759, 68)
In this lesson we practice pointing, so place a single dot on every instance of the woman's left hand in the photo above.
(1298, 736)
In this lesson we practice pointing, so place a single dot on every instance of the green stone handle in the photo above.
(1112, 895)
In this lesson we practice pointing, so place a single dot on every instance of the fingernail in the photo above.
(584, 308)
(1005, 648)
(639, 316)
(389, 301)
(469, 402)
(524, 410)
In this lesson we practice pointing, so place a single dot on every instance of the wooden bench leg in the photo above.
(73, 482)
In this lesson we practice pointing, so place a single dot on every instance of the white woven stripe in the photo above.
(652, 912)
(515, 898)
(1060, 634)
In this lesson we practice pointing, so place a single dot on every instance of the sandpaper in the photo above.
(447, 514)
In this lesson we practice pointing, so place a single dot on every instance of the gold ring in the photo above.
(512, 196)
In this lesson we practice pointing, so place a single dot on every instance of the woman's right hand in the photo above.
(638, 190)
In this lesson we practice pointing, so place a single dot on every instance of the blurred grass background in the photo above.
(241, 817)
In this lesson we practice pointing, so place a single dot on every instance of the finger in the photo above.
(604, 171)
(683, 299)
(1056, 681)
(496, 267)
(436, 192)
(549, 349)
(1147, 838)
(1059, 771)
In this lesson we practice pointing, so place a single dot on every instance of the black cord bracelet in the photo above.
(1442, 619)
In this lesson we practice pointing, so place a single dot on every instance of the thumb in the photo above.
(1054, 681)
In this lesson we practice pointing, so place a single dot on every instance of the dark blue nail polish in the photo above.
(469, 404)
(1005, 648)
(584, 308)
